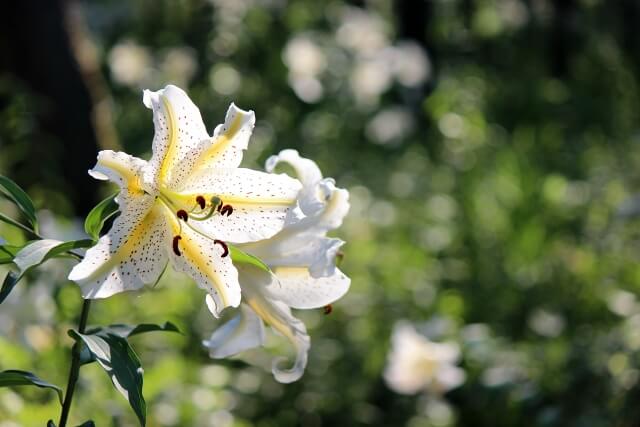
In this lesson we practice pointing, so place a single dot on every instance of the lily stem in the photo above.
(74, 372)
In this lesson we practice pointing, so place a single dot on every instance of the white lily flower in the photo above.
(183, 204)
(303, 261)
(415, 363)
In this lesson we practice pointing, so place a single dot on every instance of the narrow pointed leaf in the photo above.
(33, 255)
(20, 198)
(14, 377)
(126, 331)
(121, 363)
(16, 224)
(10, 281)
(8, 252)
(96, 219)
(237, 255)
(41, 250)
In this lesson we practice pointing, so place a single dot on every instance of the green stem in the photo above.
(74, 372)
(22, 227)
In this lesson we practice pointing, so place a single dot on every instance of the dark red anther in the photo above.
(200, 200)
(224, 246)
(227, 209)
(176, 249)
(219, 205)
(182, 214)
(328, 309)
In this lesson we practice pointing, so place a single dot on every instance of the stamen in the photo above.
(224, 246)
(200, 200)
(176, 249)
(328, 309)
(182, 214)
(226, 209)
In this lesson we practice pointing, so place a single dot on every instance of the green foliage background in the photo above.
(502, 215)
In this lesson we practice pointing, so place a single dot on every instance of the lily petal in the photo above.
(129, 255)
(298, 289)
(277, 315)
(178, 130)
(243, 332)
(307, 171)
(304, 249)
(260, 201)
(224, 149)
(202, 260)
(119, 168)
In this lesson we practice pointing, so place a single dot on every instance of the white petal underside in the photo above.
(201, 259)
(260, 201)
(307, 172)
(243, 332)
(277, 315)
(304, 249)
(298, 289)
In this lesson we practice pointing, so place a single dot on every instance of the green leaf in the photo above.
(121, 363)
(39, 251)
(35, 254)
(10, 281)
(104, 210)
(14, 377)
(8, 252)
(126, 331)
(240, 256)
(20, 198)
(15, 223)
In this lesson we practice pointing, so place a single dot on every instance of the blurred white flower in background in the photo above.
(417, 364)
(410, 63)
(134, 65)
(369, 79)
(390, 126)
(130, 63)
(306, 62)
(362, 31)
(225, 79)
(179, 65)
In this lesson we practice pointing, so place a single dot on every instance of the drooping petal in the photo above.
(201, 258)
(305, 249)
(307, 172)
(119, 168)
(277, 315)
(224, 149)
(243, 332)
(130, 255)
(336, 206)
(178, 130)
(260, 202)
(298, 289)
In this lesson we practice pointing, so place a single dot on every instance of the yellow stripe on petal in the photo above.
(221, 143)
(168, 159)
